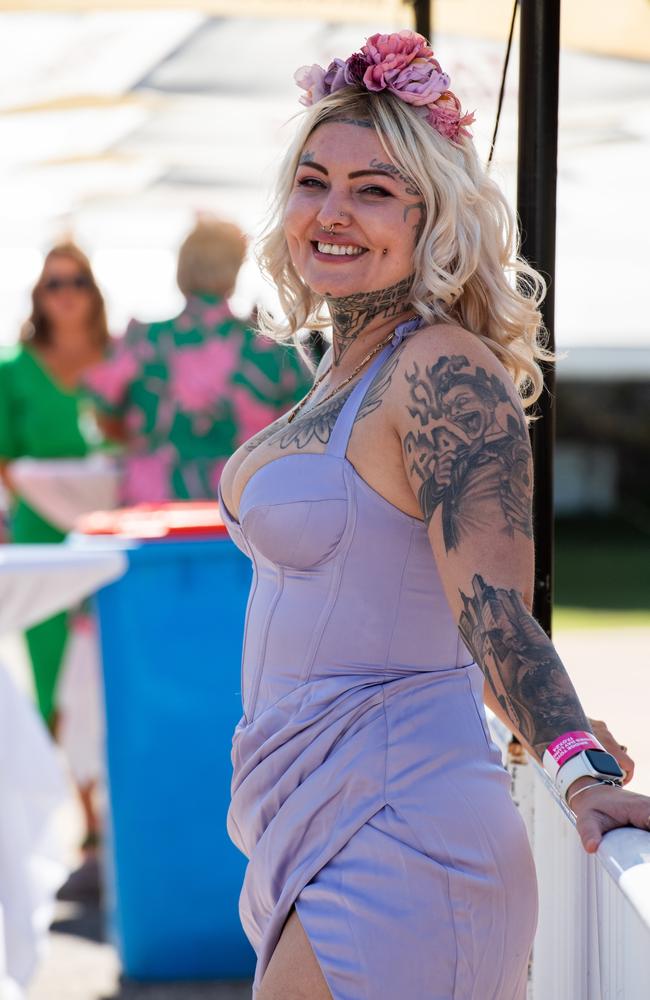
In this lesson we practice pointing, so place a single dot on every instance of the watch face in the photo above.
(604, 763)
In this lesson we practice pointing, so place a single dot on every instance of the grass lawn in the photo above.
(602, 574)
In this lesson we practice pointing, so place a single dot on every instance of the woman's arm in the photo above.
(468, 460)
(467, 457)
(599, 728)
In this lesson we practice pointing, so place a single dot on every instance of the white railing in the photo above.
(593, 936)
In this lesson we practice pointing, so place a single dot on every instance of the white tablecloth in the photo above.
(61, 490)
(36, 581)
(34, 860)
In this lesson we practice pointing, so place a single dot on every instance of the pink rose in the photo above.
(446, 118)
(388, 55)
(199, 376)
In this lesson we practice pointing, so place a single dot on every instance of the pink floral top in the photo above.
(190, 391)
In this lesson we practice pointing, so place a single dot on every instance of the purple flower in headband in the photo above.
(319, 82)
(401, 63)
(421, 82)
(312, 80)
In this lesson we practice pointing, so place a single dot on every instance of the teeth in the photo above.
(340, 249)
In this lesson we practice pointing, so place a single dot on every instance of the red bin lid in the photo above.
(186, 519)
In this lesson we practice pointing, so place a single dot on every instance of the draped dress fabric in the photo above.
(367, 791)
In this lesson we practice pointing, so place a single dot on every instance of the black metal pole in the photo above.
(423, 17)
(539, 59)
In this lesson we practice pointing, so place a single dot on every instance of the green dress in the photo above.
(39, 418)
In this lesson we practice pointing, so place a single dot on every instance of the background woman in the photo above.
(42, 415)
(388, 518)
(182, 394)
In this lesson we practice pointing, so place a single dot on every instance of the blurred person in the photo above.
(44, 415)
(184, 393)
(389, 519)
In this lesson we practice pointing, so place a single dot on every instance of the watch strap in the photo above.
(579, 766)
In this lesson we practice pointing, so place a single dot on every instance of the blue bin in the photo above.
(171, 632)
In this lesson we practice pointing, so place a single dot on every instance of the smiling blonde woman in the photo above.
(388, 518)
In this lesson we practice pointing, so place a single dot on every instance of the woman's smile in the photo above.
(332, 252)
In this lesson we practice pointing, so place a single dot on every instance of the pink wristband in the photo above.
(566, 746)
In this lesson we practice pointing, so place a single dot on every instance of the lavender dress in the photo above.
(367, 791)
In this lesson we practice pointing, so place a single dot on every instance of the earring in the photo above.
(385, 251)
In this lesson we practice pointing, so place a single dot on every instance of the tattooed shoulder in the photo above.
(467, 446)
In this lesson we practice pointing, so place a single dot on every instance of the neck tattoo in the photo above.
(351, 314)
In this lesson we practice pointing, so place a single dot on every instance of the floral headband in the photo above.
(401, 63)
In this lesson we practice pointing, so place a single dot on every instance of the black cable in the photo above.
(503, 83)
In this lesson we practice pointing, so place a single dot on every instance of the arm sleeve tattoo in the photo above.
(467, 447)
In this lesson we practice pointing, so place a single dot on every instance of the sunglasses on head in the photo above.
(80, 282)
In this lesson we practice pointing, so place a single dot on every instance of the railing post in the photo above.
(539, 26)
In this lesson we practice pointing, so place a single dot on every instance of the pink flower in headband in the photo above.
(445, 117)
(387, 56)
(403, 64)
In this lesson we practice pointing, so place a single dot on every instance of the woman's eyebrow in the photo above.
(305, 162)
(366, 173)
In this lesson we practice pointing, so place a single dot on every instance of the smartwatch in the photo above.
(589, 764)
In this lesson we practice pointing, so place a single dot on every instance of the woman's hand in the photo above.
(617, 750)
(601, 808)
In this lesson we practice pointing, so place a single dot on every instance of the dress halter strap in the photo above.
(338, 442)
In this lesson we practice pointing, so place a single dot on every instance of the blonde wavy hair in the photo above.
(466, 264)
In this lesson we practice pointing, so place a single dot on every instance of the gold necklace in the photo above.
(371, 354)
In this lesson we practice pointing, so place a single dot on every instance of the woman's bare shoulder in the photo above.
(450, 346)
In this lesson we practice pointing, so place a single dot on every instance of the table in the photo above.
(37, 581)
